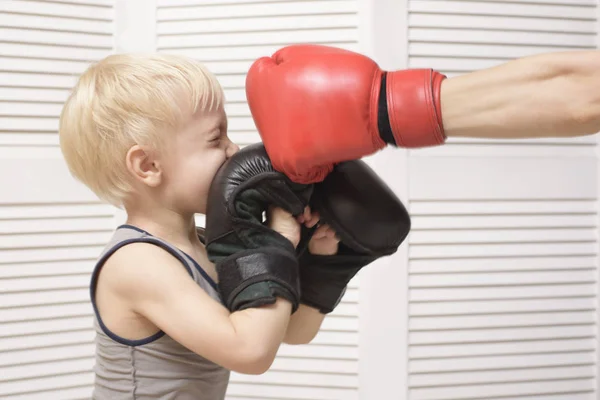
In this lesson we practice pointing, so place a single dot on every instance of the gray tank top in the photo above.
(156, 367)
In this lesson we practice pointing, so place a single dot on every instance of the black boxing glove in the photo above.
(255, 264)
(370, 221)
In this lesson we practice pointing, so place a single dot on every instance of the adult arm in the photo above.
(545, 95)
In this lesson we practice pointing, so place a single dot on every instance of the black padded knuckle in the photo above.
(362, 209)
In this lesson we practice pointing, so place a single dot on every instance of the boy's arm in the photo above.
(304, 325)
(158, 287)
(306, 322)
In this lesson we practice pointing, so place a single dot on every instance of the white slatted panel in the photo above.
(458, 36)
(228, 35)
(51, 228)
(503, 256)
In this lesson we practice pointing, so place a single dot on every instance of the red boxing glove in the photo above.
(315, 106)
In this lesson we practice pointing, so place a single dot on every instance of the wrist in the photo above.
(254, 279)
(409, 108)
(284, 304)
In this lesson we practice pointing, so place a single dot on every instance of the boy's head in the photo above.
(140, 125)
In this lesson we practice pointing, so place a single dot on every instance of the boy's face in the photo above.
(193, 158)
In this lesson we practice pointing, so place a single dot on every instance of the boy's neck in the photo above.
(175, 228)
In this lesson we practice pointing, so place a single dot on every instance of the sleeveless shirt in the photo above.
(156, 367)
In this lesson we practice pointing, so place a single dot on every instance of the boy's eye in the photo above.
(215, 137)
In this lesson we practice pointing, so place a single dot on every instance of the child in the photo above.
(148, 133)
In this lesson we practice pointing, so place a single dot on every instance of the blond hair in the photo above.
(129, 99)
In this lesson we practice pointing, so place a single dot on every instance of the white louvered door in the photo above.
(228, 36)
(503, 257)
(51, 228)
(502, 261)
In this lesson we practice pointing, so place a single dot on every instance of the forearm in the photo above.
(256, 334)
(547, 95)
(304, 325)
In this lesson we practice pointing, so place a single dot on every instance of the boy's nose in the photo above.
(232, 149)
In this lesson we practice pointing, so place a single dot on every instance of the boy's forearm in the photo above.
(258, 334)
(304, 325)
(547, 95)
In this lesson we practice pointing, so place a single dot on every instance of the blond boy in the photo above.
(148, 133)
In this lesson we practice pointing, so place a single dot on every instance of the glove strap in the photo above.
(260, 294)
(409, 108)
(250, 278)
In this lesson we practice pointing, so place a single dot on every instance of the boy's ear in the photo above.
(143, 165)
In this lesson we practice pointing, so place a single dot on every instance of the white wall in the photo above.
(493, 296)
(503, 257)
(51, 228)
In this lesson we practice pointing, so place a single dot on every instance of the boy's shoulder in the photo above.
(134, 250)
(138, 267)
